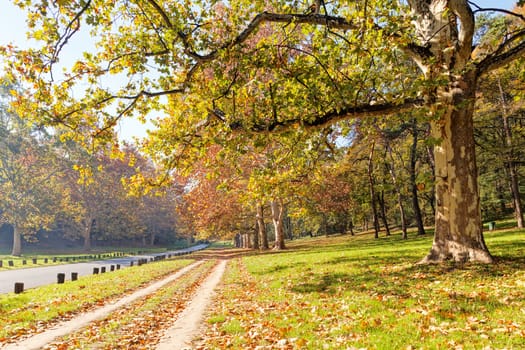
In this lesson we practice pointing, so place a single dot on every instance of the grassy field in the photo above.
(338, 292)
(356, 292)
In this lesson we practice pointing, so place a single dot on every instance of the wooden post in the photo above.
(112, 268)
(19, 287)
(95, 270)
(74, 276)
(11, 263)
(61, 277)
(34, 261)
(103, 269)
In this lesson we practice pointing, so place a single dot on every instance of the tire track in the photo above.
(61, 329)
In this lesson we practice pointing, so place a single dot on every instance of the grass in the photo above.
(27, 261)
(35, 308)
(356, 292)
(64, 256)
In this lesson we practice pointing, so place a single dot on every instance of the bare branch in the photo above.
(507, 12)
(72, 27)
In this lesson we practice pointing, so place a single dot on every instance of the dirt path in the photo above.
(188, 324)
(40, 340)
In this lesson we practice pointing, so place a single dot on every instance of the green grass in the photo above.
(357, 292)
(26, 261)
(23, 313)
(65, 256)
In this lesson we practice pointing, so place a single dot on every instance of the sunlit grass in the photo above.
(358, 292)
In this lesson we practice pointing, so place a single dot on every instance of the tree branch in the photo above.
(499, 58)
(466, 28)
(315, 19)
(329, 118)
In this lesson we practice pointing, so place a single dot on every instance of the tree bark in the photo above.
(458, 223)
(277, 218)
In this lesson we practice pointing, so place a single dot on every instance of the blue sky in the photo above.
(12, 29)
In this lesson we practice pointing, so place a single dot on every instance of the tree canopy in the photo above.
(235, 72)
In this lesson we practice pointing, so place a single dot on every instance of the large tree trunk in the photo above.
(458, 228)
(277, 218)
(17, 241)
(447, 28)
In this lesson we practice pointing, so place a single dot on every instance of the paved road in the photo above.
(40, 276)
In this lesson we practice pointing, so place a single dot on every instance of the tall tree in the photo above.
(327, 65)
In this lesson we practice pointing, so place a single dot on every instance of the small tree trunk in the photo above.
(152, 239)
(17, 241)
(371, 184)
(87, 233)
(399, 194)
(382, 206)
(277, 218)
(261, 226)
(413, 184)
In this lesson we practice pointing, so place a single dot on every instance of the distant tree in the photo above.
(29, 195)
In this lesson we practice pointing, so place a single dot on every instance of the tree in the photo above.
(29, 195)
(336, 63)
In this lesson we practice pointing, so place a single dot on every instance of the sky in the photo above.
(12, 29)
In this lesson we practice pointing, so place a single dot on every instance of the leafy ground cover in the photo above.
(36, 309)
(141, 323)
(356, 292)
